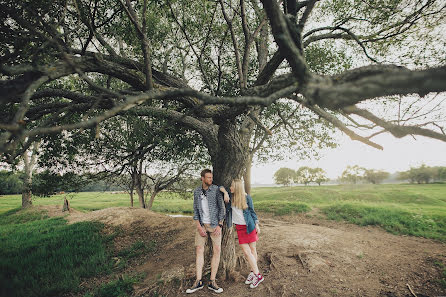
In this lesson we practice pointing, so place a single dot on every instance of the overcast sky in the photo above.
(398, 155)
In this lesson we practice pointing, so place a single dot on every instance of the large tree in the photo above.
(217, 66)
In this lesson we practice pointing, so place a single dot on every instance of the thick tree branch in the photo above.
(372, 82)
(285, 41)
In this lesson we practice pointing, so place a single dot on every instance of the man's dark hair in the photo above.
(203, 173)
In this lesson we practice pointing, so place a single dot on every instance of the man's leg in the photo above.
(216, 251)
(199, 261)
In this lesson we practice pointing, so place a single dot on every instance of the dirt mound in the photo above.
(298, 256)
(121, 216)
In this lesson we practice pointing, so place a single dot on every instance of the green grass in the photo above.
(282, 207)
(442, 280)
(41, 256)
(136, 249)
(122, 287)
(418, 210)
(392, 219)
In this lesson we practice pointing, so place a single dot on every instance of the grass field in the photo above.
(418, 210)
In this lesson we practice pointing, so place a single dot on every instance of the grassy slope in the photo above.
(41, 256)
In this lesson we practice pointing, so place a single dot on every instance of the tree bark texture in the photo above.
(131, 198)
(229, 160)
(29, 162)
(247, 175)
(152, 198)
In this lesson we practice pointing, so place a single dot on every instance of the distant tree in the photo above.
(284, 176)
(352, 174)
(375, 176)
(47, 183)
(439, 173)
(10, 183)
(168, 177)
(319, 175)
(442, 173)
(419, 175)
(304, 175)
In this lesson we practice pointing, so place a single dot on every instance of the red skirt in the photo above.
(243, 236)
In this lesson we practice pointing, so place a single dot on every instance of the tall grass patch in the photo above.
(282, 207)
(394, 220)
(41, 256)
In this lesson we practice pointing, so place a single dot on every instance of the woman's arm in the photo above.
(252, 211)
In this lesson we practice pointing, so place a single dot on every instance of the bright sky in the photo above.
(398, 155)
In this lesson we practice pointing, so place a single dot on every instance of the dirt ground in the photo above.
(298, 255)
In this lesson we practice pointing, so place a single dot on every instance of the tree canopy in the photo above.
(223, 69)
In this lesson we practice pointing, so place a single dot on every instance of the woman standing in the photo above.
(240, 211)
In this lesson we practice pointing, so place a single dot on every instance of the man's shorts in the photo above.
(201, 241)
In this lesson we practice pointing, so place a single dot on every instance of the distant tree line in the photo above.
(304, 175)
(356, 174)
(420, 175)
(424, 174)
(47, 183)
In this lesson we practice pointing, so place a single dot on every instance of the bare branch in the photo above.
(145, 43)
(395, 130)
(335, 121)
(242, 82)
(306, 15)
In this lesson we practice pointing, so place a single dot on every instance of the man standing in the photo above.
(209, 212)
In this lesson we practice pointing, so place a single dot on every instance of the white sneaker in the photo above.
(257, 280)
(214, 287)
(250, 278)
(197, 286)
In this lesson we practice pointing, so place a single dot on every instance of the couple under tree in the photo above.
(209, 214)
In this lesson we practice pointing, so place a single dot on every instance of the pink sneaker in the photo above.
(250, 278)
(256, 281)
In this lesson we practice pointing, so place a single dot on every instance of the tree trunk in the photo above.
(131, 198)
(29, 163)
(140, 190)
(228, 163)
(152, 198)
(27, 183)
(26, 195)
(247, 175)
(132, 188)
(228, 259)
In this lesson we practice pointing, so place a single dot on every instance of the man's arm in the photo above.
(197, 216)
(196, 211)
(225, 194)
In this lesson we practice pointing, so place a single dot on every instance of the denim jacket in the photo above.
(216, 205)
(249, 214)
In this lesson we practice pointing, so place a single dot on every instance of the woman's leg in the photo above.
(250, 257)
(252, 246)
